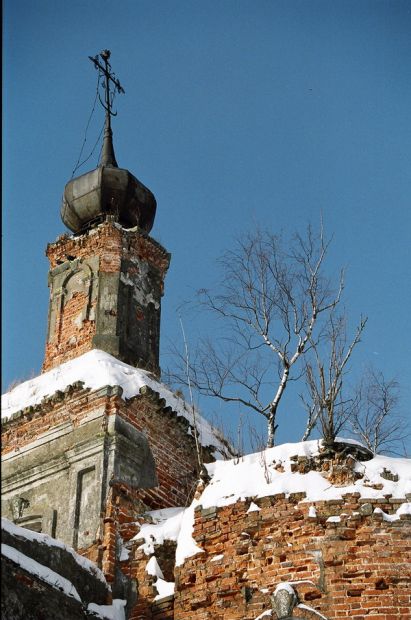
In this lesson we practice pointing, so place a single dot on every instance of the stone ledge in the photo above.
(62, 562)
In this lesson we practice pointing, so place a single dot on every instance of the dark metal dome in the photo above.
(107, 190)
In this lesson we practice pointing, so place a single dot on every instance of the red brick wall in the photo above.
(172, 447)
(72, 405)
(360, 566)
(109, 242)
(71, 341)
(174, 453)
(103, 241)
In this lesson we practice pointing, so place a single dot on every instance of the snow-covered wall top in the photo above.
(97, 369)
(268, 473)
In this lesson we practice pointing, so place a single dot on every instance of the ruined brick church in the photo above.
(96, 451)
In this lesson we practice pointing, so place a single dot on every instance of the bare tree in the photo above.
(270, 298)
(328, 405)
(375, 420)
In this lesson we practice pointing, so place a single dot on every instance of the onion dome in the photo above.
(107, 190)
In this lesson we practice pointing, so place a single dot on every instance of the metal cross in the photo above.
(107, 152)
(109, 77)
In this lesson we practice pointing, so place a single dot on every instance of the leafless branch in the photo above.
(272, 294)
(327, 405)
(375, 420)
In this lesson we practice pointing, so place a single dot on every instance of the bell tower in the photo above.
(106, 279)
(96, 440)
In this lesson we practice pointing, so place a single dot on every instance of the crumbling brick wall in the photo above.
(355, 565)
(175, 456)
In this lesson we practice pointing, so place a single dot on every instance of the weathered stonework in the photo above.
(27, 597)
(82, 465)
(42, 579)
(105, 293)
(59, 462)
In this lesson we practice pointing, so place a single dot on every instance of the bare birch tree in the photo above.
(328, 405)
(375, 420)
(271, 296)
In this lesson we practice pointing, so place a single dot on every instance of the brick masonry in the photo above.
(105, 292)
(356, 568)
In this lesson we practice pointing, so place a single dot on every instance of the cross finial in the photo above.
(107, 153)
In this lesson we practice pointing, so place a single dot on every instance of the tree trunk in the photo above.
(271, 428)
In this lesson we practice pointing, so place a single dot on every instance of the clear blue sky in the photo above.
(236, 113)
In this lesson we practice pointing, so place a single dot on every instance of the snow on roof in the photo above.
(254, 476)
(98, 369)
